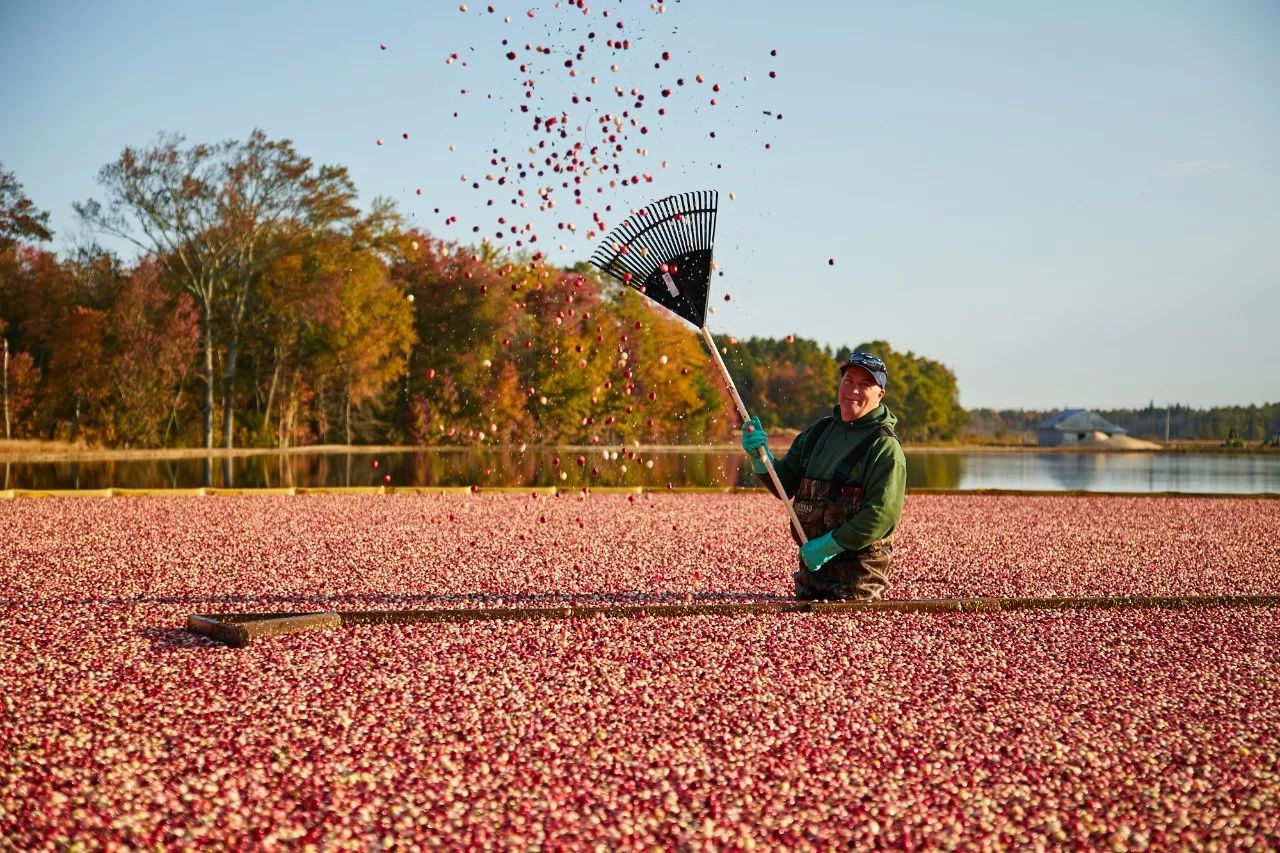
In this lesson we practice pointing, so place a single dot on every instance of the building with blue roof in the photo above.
(1073, 426)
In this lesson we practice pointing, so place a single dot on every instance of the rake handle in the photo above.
(764, 453)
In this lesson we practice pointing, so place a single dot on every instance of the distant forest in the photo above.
(1243, 423)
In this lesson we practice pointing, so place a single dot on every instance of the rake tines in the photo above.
(664, 251)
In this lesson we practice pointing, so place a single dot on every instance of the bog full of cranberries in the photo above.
(1088, 729)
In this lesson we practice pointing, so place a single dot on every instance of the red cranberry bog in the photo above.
(743, 721)
(534, 668)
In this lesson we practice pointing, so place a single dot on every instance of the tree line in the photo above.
(791, 382)
(1253, 423)
(266, 309)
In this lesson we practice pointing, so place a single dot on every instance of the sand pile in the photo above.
(1117, 442)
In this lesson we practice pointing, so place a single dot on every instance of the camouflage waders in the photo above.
(824, 505)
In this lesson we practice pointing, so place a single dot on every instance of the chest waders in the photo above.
(824, 505)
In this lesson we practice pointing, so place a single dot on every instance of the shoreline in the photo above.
(577, 492)
(24, 452)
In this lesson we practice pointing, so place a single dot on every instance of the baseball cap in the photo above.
(871, 363)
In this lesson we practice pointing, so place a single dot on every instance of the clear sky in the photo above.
(1068, 204)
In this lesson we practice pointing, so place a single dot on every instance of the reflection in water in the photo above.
(1073, 470)
(935, 470)
(1120, 472)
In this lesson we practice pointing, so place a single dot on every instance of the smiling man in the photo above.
(848, 476)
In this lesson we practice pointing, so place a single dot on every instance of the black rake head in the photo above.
(664, 251)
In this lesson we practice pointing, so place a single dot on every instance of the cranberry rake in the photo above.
(664, 251)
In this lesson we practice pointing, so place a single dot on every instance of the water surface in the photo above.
(1031, 470)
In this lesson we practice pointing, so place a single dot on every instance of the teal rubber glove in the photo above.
(752, 440)
(816, 552)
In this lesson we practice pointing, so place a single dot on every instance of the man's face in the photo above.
(859, 394)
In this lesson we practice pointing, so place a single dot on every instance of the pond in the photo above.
(1030, 470)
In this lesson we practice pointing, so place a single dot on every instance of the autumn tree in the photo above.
(20, 219)
(38, 301)
(466, 319)
(151, 338)
(787, 382)
(21, 378)
(76, 378)
(513, 349)
(366, 347)
(93, 335)
(216, 217)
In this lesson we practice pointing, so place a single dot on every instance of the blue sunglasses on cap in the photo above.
(873, 364)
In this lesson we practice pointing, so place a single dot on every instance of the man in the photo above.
(848, 476)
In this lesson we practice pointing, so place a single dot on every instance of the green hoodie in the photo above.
(884, 484)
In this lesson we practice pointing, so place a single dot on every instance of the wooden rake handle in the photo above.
(764, 452)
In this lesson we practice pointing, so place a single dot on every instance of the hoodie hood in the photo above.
(877, 417)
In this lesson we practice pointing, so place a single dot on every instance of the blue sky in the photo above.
(1073, 204)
